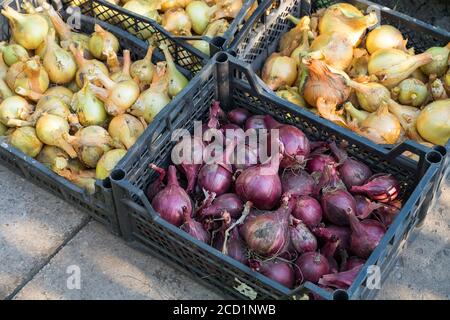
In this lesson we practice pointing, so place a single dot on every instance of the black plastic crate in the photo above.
(223, 80)
(141, 27)
(100, 205)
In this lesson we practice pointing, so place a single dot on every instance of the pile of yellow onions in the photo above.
(340, 65)
(68, 100)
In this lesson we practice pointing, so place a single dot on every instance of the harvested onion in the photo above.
(102, 40)
(279, 71)
(177, 22)
(385, 37)
(433, 122)
(440, 57)
(26, 140)
(13, 52)
(14, 111)
(334, 48)
(177, 81)
(108, 162)
(87, 68)
(370, 95)
(411, 92)
(200, 14)
(125, 129)
(143, 69)
(59, 63)
(53, 131)
(89, 109)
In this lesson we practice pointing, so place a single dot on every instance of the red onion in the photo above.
(190, 164)
(388, 212)
(250, 158)
(195, 229)
(235, 247)
(380, 187)
(365, 237)
(308, 210)
(312, 266)
(217, 177)
(157, 185)
(255, 122)
(333, 233)
(364, 207)
(302, 238)
(238, 116)
(341, 280)
(354, 173)
(295, 144)
(297, 183)
(172, 201)
(267, 233)
(329, 251)
(353, 262)
(336, 205)
(279, 271)
(318, 162)
(261, 184)
(213, 121)
(229, 202)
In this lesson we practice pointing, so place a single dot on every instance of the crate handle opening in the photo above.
(340, 295)
(433, 157)
(117, 175)
(442, 150)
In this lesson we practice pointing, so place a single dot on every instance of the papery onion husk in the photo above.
(87, 68)
(370, 95)
(177, 81)
(60, 92)
(277, 270)
(108, 162)
(348, 20)
(227, 9)
(334, 48)
(53, 131)
(143, 69)
(125, 129)
(98, 42)
(279, 71)
(50, 105)
(177, 22)
(439, 65)
(26, 140)
(28, 30)
(89, 109)
(433, 122)
(411, 92)
(200, 14)
(391, 66)
(148, 9)
(14, 111)
(59, 63)
(359, 65)
(437, 90)
(173, 4)
(355, 115)
(385, 37)
(155, 98)
(408, 118)
(54, 158)
(13, 52)
(292, 95)
(296, 36)
(380, 187)
(28, 77)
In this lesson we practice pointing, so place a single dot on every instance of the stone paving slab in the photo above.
(109, 269)
(33, 225)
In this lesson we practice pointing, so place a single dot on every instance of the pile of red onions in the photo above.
(309, 212)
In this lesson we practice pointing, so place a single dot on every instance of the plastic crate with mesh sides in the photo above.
(234, 85)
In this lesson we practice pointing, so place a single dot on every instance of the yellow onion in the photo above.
(14, 111)
(13, 52)
(3, 67)
(87, 68)
(117, 96)
(355, 115)
(28, 30)
(447, 81)
(53, 158)
(348, 20)
(59, 63)
(381, 126)
(173, 4)
(360, 63)
(437, 90)
(124, 73)
(294, 37)
(53, 131)
(25, 139)
(3, 129)
(91, 143)
(335, 49)
(102, 40)
(108, 162)
(155, 98)
(66, 35)
(29, 7)
(324, 82)
(200, 14)
(125, 129)
(227, 9)
(5, 91)
(214, 29)
(370, 95)
(419, 75)
(433, 122)
(144, 8)
(177, 22)
(60, 92)
(438, 66)
(89, 109)
(177, 81)
(279, 71)
(292, 95)
(79, 175)
(327, 109)
(50, 105)
(106, 14)
(385, 37)
(391, 66)
(143, 69)
(407, 116)
(411, 92)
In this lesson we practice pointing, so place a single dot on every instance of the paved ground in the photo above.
(43, 242)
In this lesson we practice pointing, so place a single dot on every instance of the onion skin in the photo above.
(59, 63)
(336, 205)
(108, 162)
(308, 210)
(172, 203)
(354, 173)
(13, 52)
(238, 116)
(26, 140)
(342, 280)
(255, 122)
(364, 207)
(335, 49)
(380, 187)
(189, 164)
(98, 40)
(366, 236)
(333, 233)
(144, 69)
(228, 202)
(14, 109)
(297, 183)
(302, 238)
(439, 64)
(370, 95)
(215, 178)
(318, 162)
(433, 123)
(52, 131)
(90, 109)
(411, 92)
(279, 71)
(177, 22)
(279, 271)
(385, 37)
(292, 95)
(312, 267)
(60, 92)
(126, 129)
(195, 229)
(260, 184)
